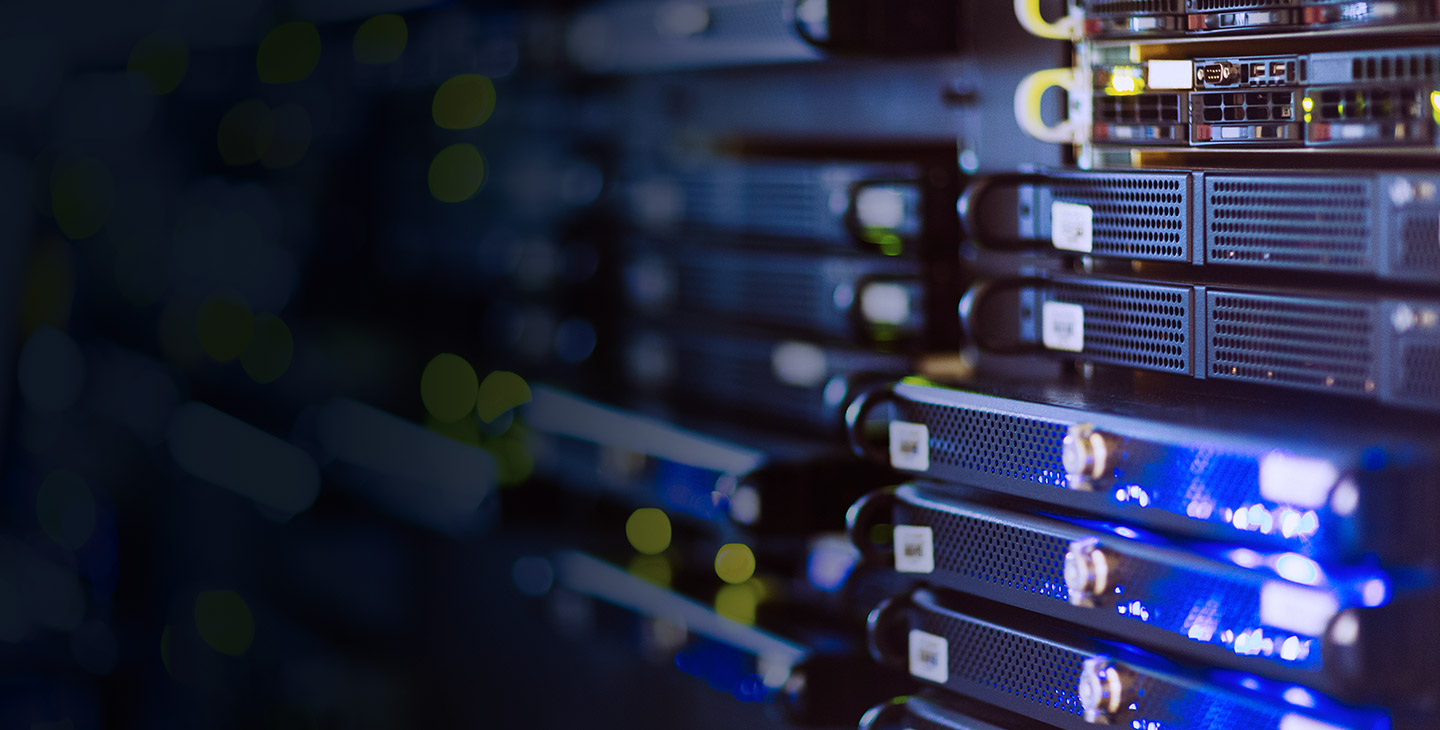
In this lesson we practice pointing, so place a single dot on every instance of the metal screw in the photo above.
(1088, 455)
(1101, 690)
(1088, 572)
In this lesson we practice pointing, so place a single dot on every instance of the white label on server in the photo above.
(914, 549)
(909, 446)
(1062, 326)
(1072, 226)
(1305, 611)
(929, 657)
(1170, 74)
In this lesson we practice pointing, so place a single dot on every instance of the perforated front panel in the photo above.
(1306, 343)
(1033, 672)
(1135, 216)
(993, 552)
(1137, 325)
(991, 443)
(1420, 373)
(1027, 674)
(739, 374)
(1419, 242)
(756, 20)
(1289, 222)
(780, 200)
(1134, 7)
(770, 290)
(1206, 5)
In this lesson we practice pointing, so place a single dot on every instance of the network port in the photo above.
(1220, 74)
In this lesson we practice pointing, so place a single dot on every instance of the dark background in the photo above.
(220, 219)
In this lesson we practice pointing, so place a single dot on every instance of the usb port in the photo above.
(1257, 69)
(1277, 68)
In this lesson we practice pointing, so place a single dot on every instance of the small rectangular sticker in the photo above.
(914, 549)
(929, 657)
(1072, 227)
(1062, 326)
(909, 446)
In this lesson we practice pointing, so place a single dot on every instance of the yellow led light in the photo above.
(735, 563)
(1435, 100)
(1123, 84)
(1307, 104)
(648, 530)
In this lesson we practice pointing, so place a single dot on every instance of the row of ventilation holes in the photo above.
(1137, 217)
(1327, 206)
(1421, 379)
(1132, 7)
(1013, 664)
(1419, 233)
(1374, 68)
(1008, 446)
(1000, 554)
(1257, 355)
(1160, 349)
(1239, 4)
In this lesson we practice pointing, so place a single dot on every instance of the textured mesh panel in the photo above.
(993, 443)
(778, 200)
(759, 20)
(1207, 5)
(1420, 377)
(988, 551)
(1011, 663)
(753, 288)
(1134, 7)
(1136, 216)
(1139, 325)
(1289, 222)
(1419, 254)
(1034, 674)
(736, 372)
(1291, 341)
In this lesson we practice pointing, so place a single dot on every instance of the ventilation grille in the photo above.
(1289, 222)
(738, 374)
(774, 200)
(1137, 109)
(984, 548)
(1207, 5)
(1371, 103)
(1135, 7)
(1009, 663)
(1295, 342)
(754, 289)
(1420, 377)
(1137, 325)
(1411, 66)
(1419, 236)
(1139, 217)
(991, 552)
(997, 444)
(1036, 672)
(1244, 106)
(759, 20)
